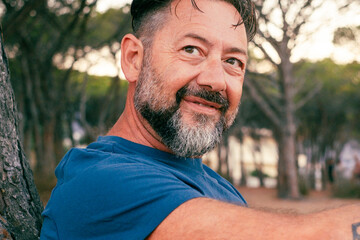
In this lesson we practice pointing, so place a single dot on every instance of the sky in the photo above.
(316, 47)
(103, 5)
(320, 45)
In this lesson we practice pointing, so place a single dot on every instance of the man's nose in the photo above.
(212, 76)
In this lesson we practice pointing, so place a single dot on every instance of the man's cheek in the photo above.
(235, 99)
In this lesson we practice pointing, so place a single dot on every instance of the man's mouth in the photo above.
(202, 99)
(202, 105)
(202, 102)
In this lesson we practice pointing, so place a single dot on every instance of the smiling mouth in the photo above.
(202, 102)
(202, 105)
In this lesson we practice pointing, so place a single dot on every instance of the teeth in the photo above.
(204, 105)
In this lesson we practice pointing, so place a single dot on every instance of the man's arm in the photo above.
(203, 218)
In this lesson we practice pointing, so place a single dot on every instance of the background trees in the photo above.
(331, 118)
(278, 93)
(311, 107)
(44, 49)
(46, 30)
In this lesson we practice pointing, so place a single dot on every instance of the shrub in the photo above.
(303, 185)
(344, 188)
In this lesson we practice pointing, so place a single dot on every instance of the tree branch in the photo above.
(274, 43)
(267, 56)
(262, 104)
(261, 90)
(18, 17)
(68, 29)
(308, 96)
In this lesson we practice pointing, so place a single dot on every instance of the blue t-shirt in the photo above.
(117, 189)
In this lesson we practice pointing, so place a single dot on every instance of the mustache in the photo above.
(210, 96)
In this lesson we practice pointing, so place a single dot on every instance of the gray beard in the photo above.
(183, 139)
(190, 141)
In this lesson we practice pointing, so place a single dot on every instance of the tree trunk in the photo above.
(48, 164)
(287, 172)
(58, 140)
(243, 181)
(289, 148)
(219, 166)
(258, 163)
(223, 166)
(228, 175)
(20, 206)
(288, 133)
(282, 190)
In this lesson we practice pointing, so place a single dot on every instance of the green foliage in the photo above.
(334, 113)
(98, 89)
(97, 101)
(303, 185)
(256, 173)
(251, 115)
(108, 27)
(96, 86)
(345, 188)
(44, 40)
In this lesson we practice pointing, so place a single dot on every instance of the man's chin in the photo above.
(200, 120)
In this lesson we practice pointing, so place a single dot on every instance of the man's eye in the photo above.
(235, 62)
(191, 50)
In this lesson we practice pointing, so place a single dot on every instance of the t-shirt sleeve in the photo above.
(118, 202)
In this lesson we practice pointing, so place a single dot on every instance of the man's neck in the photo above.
(133, 127)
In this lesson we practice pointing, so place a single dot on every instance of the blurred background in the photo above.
(298, 128)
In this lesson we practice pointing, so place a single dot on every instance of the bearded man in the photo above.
(185, 65)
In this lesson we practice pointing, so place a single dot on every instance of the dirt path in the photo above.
(316, 201)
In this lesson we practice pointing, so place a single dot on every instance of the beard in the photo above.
(166, 118)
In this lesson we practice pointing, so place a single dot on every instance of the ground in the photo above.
(265, 198)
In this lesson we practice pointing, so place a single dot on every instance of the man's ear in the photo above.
(132, 53)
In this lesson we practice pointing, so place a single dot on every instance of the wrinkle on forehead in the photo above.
(174, 5)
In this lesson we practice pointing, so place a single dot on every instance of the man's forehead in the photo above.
(219, 16)
(192, 11)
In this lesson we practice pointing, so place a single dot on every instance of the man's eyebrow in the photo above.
(200, 38)
(204, 40)
(237, 50)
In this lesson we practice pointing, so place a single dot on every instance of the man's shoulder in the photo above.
(87, 161)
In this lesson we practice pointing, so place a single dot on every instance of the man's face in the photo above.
(191, 80)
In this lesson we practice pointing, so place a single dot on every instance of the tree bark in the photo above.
(47, 166)
(282, 177)
(20, 205)
(288, 160)
(288, 132)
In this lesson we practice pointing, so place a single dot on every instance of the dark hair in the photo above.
(142, 9)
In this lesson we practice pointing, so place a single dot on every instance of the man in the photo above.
(185, 66)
